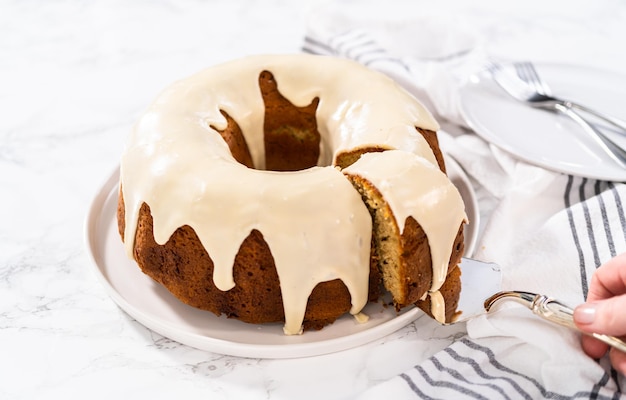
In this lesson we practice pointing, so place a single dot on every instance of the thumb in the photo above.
(605, 316)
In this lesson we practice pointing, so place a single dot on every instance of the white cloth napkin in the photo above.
(403, 49)
(548, 231)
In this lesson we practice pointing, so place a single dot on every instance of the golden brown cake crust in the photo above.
(184, 267)
(433, 142)
(451, 292)
(233, 137)
(256, 297)
(417, 254)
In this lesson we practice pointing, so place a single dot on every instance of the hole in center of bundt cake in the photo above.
(292, 141)
(291, 138)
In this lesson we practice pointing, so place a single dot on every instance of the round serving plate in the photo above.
(157, 309)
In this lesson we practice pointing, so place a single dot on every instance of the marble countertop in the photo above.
(74, 76)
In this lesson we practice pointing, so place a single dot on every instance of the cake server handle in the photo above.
(551, 310)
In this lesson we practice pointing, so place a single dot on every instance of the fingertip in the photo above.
(605, 317)
(593, 347)
(585, 315)
(618, 360)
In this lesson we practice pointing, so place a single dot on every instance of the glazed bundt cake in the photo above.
(293, 189)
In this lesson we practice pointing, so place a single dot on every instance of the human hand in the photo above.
(605, 311)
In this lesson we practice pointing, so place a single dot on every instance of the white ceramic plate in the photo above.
(154, 306)
(548, 139)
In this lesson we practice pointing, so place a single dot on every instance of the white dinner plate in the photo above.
(157, 309)
(544, 138)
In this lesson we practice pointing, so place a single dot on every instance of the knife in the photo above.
(618, 125)
(483, 280)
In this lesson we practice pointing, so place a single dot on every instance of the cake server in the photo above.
(481, 284)
(479, 281)
(551, 310)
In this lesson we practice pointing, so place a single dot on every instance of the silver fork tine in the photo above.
(491, 67)
(507, 80)
(527, 71)
(533, 72)
(541, 84)
(520, 69)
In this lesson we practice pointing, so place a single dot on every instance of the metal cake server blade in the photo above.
(479, 281)
(481, 284)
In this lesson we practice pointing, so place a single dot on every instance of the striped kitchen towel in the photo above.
(548, 231)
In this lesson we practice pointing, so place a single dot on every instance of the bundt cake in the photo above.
(291, 188)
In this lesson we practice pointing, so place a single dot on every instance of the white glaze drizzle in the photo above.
(437, 306)
(414, 187)
(177, 164)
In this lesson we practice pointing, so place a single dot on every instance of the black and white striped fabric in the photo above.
(354, 44)
(435, 87)
(549, 232)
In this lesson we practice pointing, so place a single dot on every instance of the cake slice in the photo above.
(418, 218)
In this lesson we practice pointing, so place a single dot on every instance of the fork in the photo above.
(522, 91)
(528, 73)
